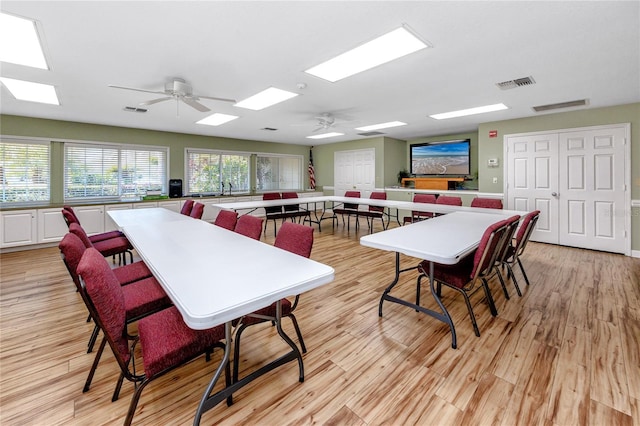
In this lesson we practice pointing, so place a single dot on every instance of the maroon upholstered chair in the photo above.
(450, 201)
(295, 238)
(197, 211)
(294, 211)
(471, 270)
(516, 247)
(375, 212)
(417, 216)
(487, 203)
(113, 246)
(166, 341)
(349, 209)
(70, 216)
(226, 219)
(186, 207)
(274, 212)
(249, 226)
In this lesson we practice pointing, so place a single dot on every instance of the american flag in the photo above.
(312, 171)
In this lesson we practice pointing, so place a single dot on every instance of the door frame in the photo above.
(627, 168)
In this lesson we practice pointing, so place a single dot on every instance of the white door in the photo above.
(354, 170)
(578, 180)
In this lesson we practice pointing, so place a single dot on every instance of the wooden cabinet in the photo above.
(91, 218)
(18, 227)
(434, 183)
(51, 225)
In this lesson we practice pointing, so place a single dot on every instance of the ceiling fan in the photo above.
(179, 90)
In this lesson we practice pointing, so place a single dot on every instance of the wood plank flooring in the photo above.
(566, 353)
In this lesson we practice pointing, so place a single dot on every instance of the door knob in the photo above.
(554, 194)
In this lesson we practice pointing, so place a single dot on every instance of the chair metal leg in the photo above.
(297, 328)
(92, 339)
(504, 287)
(513, 278)
(470, 310)
(96, 360)
(116, 392)
(524, 274)
(487, 292)
(134, 402)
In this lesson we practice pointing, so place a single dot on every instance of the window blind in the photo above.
(24, 171)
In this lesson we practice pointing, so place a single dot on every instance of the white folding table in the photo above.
(444, 239)
(214, 276)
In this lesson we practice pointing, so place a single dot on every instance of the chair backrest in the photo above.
(525, 230)
(290, 207)
(197, 210)
(249, 226)
(106, 302)
(450, 201)
(186, 207)
(423, 198)
(352, 194)
(295, 238)
(483, 260)
(377, 196)
(512, 225)
(80, 233)
(71, 250)
(69, 217)
(487, 203)
(272, 196)
(226, 219)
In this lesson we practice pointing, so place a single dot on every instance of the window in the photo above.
(278, 172)
(211, 172)
(24, 171)
(113, 171)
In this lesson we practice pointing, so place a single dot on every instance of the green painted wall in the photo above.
(395, 159)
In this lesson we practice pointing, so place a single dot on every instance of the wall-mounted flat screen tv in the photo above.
(445, 158)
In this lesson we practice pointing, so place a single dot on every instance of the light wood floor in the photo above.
(566, 353)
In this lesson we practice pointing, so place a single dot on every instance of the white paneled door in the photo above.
(354, 170)
(578, 180)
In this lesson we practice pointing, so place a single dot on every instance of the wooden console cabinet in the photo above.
(433, 183)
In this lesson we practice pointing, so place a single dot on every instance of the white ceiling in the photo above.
(573, 50)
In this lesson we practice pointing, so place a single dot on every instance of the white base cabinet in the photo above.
(18, 227)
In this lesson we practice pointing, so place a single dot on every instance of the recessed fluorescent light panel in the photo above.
(21, 44)
(386, 48)
(29, 91)
(325, 135)
(217, 119)
(381, 126)
(266, 98)
(470, 111)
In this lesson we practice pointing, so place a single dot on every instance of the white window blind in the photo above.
(211, 172)
(108, 171)
(277, 172)
(24, 171)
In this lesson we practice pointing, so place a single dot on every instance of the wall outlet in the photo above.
(495, 180)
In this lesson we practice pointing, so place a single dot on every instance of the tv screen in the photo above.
(441, 158)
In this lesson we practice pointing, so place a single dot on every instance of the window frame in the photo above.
(17, 140)
(300, 171)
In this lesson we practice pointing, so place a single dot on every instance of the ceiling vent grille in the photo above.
(374, 133)
(569, 104)
(270, 129)
(135, 109)
(518, 82)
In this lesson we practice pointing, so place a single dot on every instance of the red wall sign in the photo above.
(493, 133)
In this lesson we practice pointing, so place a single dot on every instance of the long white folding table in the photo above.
(443, 239)
(214, 276)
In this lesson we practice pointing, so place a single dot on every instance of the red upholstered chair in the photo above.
(294, 211)
(274, 212)
(471, 273)
(417, 216)
(166, 341)
(111, 247)
(249, 226)
(450, 201)
(226, 219)
(349, 209)
(70, 216)
(186, 207)
(516, 247)
(294, 238)
(487, 203)
(197, 211)
(375, 212)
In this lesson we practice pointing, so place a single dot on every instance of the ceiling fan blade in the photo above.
(195, 104)
(155, 101)
(138, 90)
(216, 99)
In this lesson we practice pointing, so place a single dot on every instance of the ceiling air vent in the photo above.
(371, 133)
(135, 109)
(540, 108)
(518, 82)
(270, 129)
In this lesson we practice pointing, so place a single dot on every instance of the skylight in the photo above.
(217, 119)
(29, 91)
(381, 126)
(266, 98)
(470, 111)
(325, 135)
(20, 42)
(386, 48)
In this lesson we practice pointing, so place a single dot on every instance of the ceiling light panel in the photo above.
(470, 111)
(21, 44)
(325, 135)
(381, 126)
(29, 91)
(217, 119)
(266, 98)
(393, 45)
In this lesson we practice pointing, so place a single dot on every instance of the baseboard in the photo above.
(635, 253)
